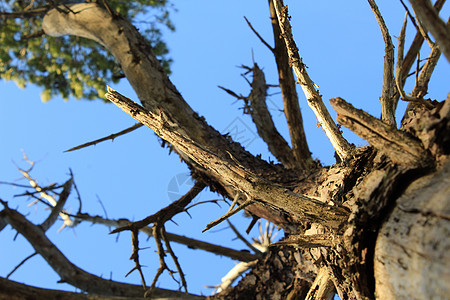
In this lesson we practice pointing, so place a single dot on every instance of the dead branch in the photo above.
(399, 67)
(264, 123)
(306, 241)
(340, 144)
(239, 236)
(421, 87)
(174, 257)
(322, 287)
(258, 35)
(42, 192)
(227, 215)
(12, 290)
(189, 242)
(69, 272)
(158, 232)
(135, 257)
(387, 103)
(109, 137)
(289, 94)
(166, 213)
(230, 171)
(397, 145)
(162, 263)
(413, 49)
(255, 105)
(232, 275)
(57, 209)
(20, 264)
(430, 19)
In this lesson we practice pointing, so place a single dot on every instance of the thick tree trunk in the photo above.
(412, 257)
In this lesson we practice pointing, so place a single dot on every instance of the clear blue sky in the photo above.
(340, 43)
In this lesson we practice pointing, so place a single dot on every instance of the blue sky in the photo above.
(133, 176)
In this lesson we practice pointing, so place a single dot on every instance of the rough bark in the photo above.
(412, 250)
(347, 215)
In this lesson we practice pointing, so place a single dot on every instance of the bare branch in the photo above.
(387, 101)
(421, 87)
(69, 272)
(166, 213)
(322, 287)
(397, 145)
(227, 215)
(414, 49)
(432, 22)
(109, 137)
(258, 35)
(306, 241)
(399, 67)
(20, 264)
(189, 242)
(57, 209)
(289, 94)
(255, 105)
(239, 236)
(340, 144)
(174, 257)
(135, 256)
(13, 290)
(231, 171)
(67, 221)
(232, 275)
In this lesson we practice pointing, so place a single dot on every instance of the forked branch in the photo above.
(340, 144)
(69, 272)
(230, 171)
(430, 19)
(256, 106)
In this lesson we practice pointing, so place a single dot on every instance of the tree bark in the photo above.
(353, 205)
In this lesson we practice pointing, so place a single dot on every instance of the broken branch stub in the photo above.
(399, 146)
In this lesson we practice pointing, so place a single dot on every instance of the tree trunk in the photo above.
(375, 225)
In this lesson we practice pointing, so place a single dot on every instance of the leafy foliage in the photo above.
(70, 66)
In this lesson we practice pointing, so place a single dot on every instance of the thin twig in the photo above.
(20, 264)
(109, 137)
(259, 36)
(239, 236)
(174, 258)
(227, 215)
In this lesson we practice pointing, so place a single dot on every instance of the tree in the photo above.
(361, 226)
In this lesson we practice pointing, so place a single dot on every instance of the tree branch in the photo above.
(434, 24)
(231, 171)
(141, 67)
(189, 242)
(69, 272)
(387, 101)
(322, 287)
(109, 137)
(289, 94)
(57, 209)
(255, 105)
(340, 144)
(397, 145)
(12, 290)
